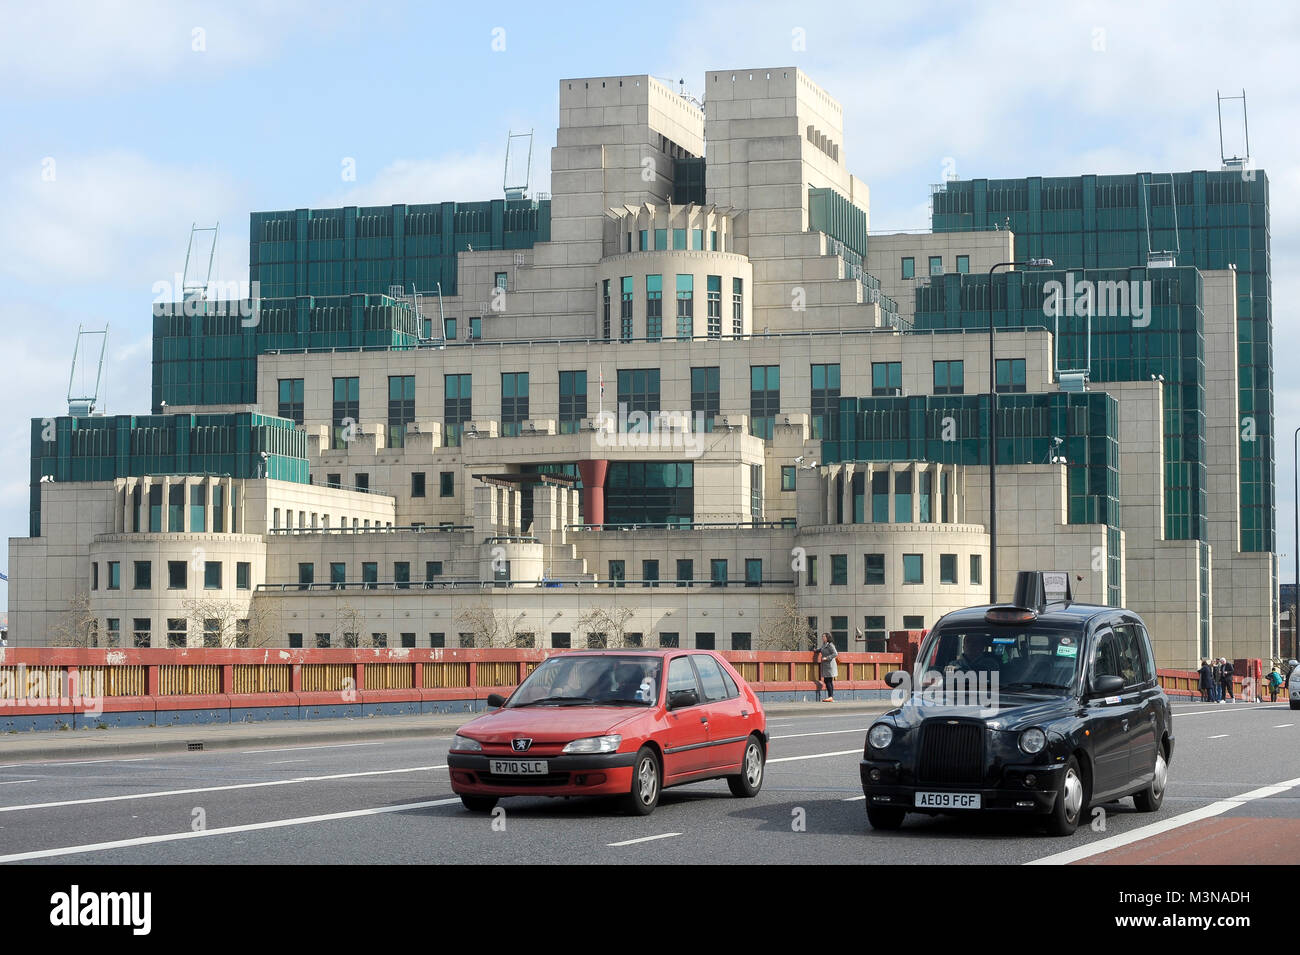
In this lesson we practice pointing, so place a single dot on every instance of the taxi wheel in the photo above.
(479, 803)
(1149, 799)
(750, 779)
(646, 784)
(1071, 799)
(882, 817)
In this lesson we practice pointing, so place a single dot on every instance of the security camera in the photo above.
(799, 460)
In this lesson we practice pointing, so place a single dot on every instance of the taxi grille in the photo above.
(951, 753)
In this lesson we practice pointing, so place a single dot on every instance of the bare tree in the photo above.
(786, 630)
(79, 626)
(490, 628)
(610, 622)
(352, 623)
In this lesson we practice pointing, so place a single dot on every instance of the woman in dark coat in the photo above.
(1207, 681)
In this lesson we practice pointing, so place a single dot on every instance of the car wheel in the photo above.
(646, 784)
(750, 779)
(1149, 799)
(479, 803)
(885, 818)
(1071, 800)
(1295, 705)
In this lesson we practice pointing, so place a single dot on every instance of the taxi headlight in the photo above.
(880, 736)
(594, 744)
(465, 744)
(1032, 741)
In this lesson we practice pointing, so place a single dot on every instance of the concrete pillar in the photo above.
(846, 493)
(166, 506)
(593, 472)
(916, 493)
(485, 511)
(831, 472)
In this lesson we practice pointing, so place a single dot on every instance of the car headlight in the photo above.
(880, 736)
(594, 744)
(465, 744)
(1032, 741)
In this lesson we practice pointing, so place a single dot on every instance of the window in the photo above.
(764, 399)
(447, 484)
(291, 399)
(500, 280)
(685, 307)
(306, 575)
(218, 510)
(936, 265)
(704, 641)
(177, 575)
(685, 572)
(949, 378)
(811, 579)
(873, 630)
(144, 575)
(605, 328)
(873, 569)
(295, 641)
(654, 307)
(913, 569)
(177, 631)
(476, 328)
(839, 570)
(638, 389)
(947, 568)
(401, 408)
(597, 641)
(562, 641)
(913, 622)
(347, 411)
(212, 575)
(840, 632)
(661, 240)
(212, 632)
(437, 640)
(449, 328)
(155, 508)
(697, 240)
(902, 497)
(714, 305)
(787, 477)
(457, 408)
(669, 638)
(573, 400)
(617, 574)
(514, 402)
(322, 641)
(825, 401)
(649, 573)
(417, 484)
(625, 309)
(756, 492)
(176, 508)
(737, 307)
(114, 575)
(1011, 374)
(243, 575)
(402, 574)
(369, 575)
(741, 641)
(963, 265)
(379, 639)
(633, 639)
(94, 576)
(679, 238)
(643, 241)
(432, 570)
(114, 631)
(140, 635)
(976, 570)
(909, 267)
(886, 378)
(334, 480)
(718, 572)
(706, 397)
(753, 571)
(362, 484)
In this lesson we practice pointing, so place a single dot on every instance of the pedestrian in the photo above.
(1206, 681)
(1216, 681)
(829, 668)
(1227, 679)
(1274, 682)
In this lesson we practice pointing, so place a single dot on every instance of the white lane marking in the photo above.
(12, 782)
(824, 733)
(294, 749)
(1231, 709)
(281, 762)
(627, 842)
(220, 789)
(854, 799)
(78, 762)
(791, 759)
(1220, 736)
(251, 827)
(1282, 726)
(1156, 828)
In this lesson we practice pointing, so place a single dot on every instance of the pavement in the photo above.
(146, 740)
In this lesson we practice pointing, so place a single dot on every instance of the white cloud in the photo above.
(462, 177)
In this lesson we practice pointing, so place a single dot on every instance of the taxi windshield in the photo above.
(578, 680)
(1027, 657)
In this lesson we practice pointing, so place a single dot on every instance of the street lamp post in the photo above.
(1295, 459)
(993, 428)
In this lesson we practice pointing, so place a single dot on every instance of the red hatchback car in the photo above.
(614, 723)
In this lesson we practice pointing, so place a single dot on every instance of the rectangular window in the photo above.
(212, 575)
(649, 573)
(753, 571)
(114, 631)
(706, 396)
(94, 576)
(913, 569)
(839, 570)
(338, 574)
(740, 641)
(886, 378)
(718, 573)
(947, 568)
(963, 265)
(811, 579)
(218, 509)
(877, 639)
(212, 632)
(369, 575)
(625, 309)
(500, 280)
(713, 240)
(322, 641)
(949, 378)
(787, 477)
(825, 401)
(155, 508)
(714, 305)
(840, 633)
(114, 575)
(976, 570)
(936, 265)
(408, 640)
(401, 408)
(379, 640)
(295, 641)
(685, 307)
(909, 267)
(679, 238)
(457, 408)
(402, 574)
(243, 575)
(756, 492)
(437, 640)
(447, 484)
(306, 575)
(914, 621)
(697, 240)
(362, 484)
(573, 400)
(638, 389)
(346, 411)
(737, 307)
(140, 632)
(903, 497)
(661, 240)
(476, 328)
(669, 639)
(334, 480)
(873, 569)
(176, 509)
(449, 328)
(177, 574)
(514, 402)
(764, 399)
(617, 574)
(685, 572)
(177, 631)
(605, 326)
(643, 244)
(291, 399)
(144, 575)
(654, 307)
(432, 570)
(562, 641)
(417, 484)
(704, 641)
(1011, 374)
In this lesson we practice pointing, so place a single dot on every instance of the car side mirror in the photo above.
(896, 678)
(496, 700)
(1107, 685)
(679, 698)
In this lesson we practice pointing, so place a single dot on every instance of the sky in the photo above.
(123, 124)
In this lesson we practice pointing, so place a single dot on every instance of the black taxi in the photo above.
(1043, 706)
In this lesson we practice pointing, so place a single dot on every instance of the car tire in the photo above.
(479, 803)
(1149, 799)
(749, 780)
(1071, 801)
(1295, 705)
(647, 784)
(885, 818)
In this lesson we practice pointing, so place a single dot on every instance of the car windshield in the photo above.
(579, 680)
(1023, 657)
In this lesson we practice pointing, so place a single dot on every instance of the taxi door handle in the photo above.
(1124, 724)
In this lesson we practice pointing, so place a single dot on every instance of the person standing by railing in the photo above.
(829, 668)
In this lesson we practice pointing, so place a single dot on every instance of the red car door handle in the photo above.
(704, 720)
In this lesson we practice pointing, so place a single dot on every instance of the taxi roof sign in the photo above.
(1035, 589)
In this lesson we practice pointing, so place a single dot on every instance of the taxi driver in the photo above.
(975, 655)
